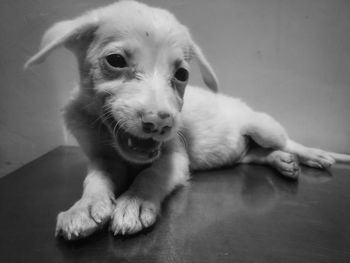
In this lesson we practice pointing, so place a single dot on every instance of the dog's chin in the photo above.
(135, 149)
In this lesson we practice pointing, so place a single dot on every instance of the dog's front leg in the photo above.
(138, 207)
(94, 208)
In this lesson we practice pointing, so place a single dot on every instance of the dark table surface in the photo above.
(240, 214)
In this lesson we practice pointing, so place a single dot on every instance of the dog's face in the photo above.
(134, 60)
(142, 69)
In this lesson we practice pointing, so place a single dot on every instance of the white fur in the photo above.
(204, 130)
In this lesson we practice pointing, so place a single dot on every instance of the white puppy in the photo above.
(133, 109)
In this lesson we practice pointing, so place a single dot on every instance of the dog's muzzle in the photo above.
(140, 149)
(137, 148)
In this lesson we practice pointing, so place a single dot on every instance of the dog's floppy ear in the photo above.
(66, 33)
(206, 70)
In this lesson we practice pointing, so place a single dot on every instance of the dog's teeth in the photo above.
(129, 142)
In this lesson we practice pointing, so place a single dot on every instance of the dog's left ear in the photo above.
(68, 33)
(207, 72)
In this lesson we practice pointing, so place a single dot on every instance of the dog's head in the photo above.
(134, 60)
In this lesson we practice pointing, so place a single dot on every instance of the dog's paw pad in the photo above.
(131, 215)
(287, 164)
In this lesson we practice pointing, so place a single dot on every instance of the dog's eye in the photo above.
(181, 74)
(116, 61)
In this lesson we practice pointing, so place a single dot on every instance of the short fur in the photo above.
(142, 115)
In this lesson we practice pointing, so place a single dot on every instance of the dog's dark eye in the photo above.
(116, 61)
(181, 74)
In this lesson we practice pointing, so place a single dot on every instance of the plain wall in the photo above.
(290, 59)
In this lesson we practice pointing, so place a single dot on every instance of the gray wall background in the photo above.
(288, 58)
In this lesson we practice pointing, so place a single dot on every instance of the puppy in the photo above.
(134, 109)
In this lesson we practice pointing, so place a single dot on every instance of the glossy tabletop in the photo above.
(245, 213)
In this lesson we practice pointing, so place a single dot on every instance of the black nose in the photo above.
(160, 122)
(149, 127)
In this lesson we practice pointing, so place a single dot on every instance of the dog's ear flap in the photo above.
(207, 72)
(63, 33)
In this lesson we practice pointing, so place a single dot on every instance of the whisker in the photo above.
(120, 124)
(108, 92)
(103, 117)
(107, 106)
(139, 76)
(106, 114)
(182, 138)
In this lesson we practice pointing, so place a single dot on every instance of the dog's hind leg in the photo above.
(285, 163)
(265, 131)
(313, 157)
(268, 133)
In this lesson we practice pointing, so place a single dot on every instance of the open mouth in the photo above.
(137, 149)
(132, 148)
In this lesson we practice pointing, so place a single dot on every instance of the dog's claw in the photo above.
(79, 221)
(130, 214)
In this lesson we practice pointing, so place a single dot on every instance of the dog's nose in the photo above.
(148, 127)
(160, 122)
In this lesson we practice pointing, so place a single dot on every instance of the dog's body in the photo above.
(132, 110)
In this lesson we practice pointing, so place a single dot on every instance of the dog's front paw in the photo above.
(84, 218)
(132, 214)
